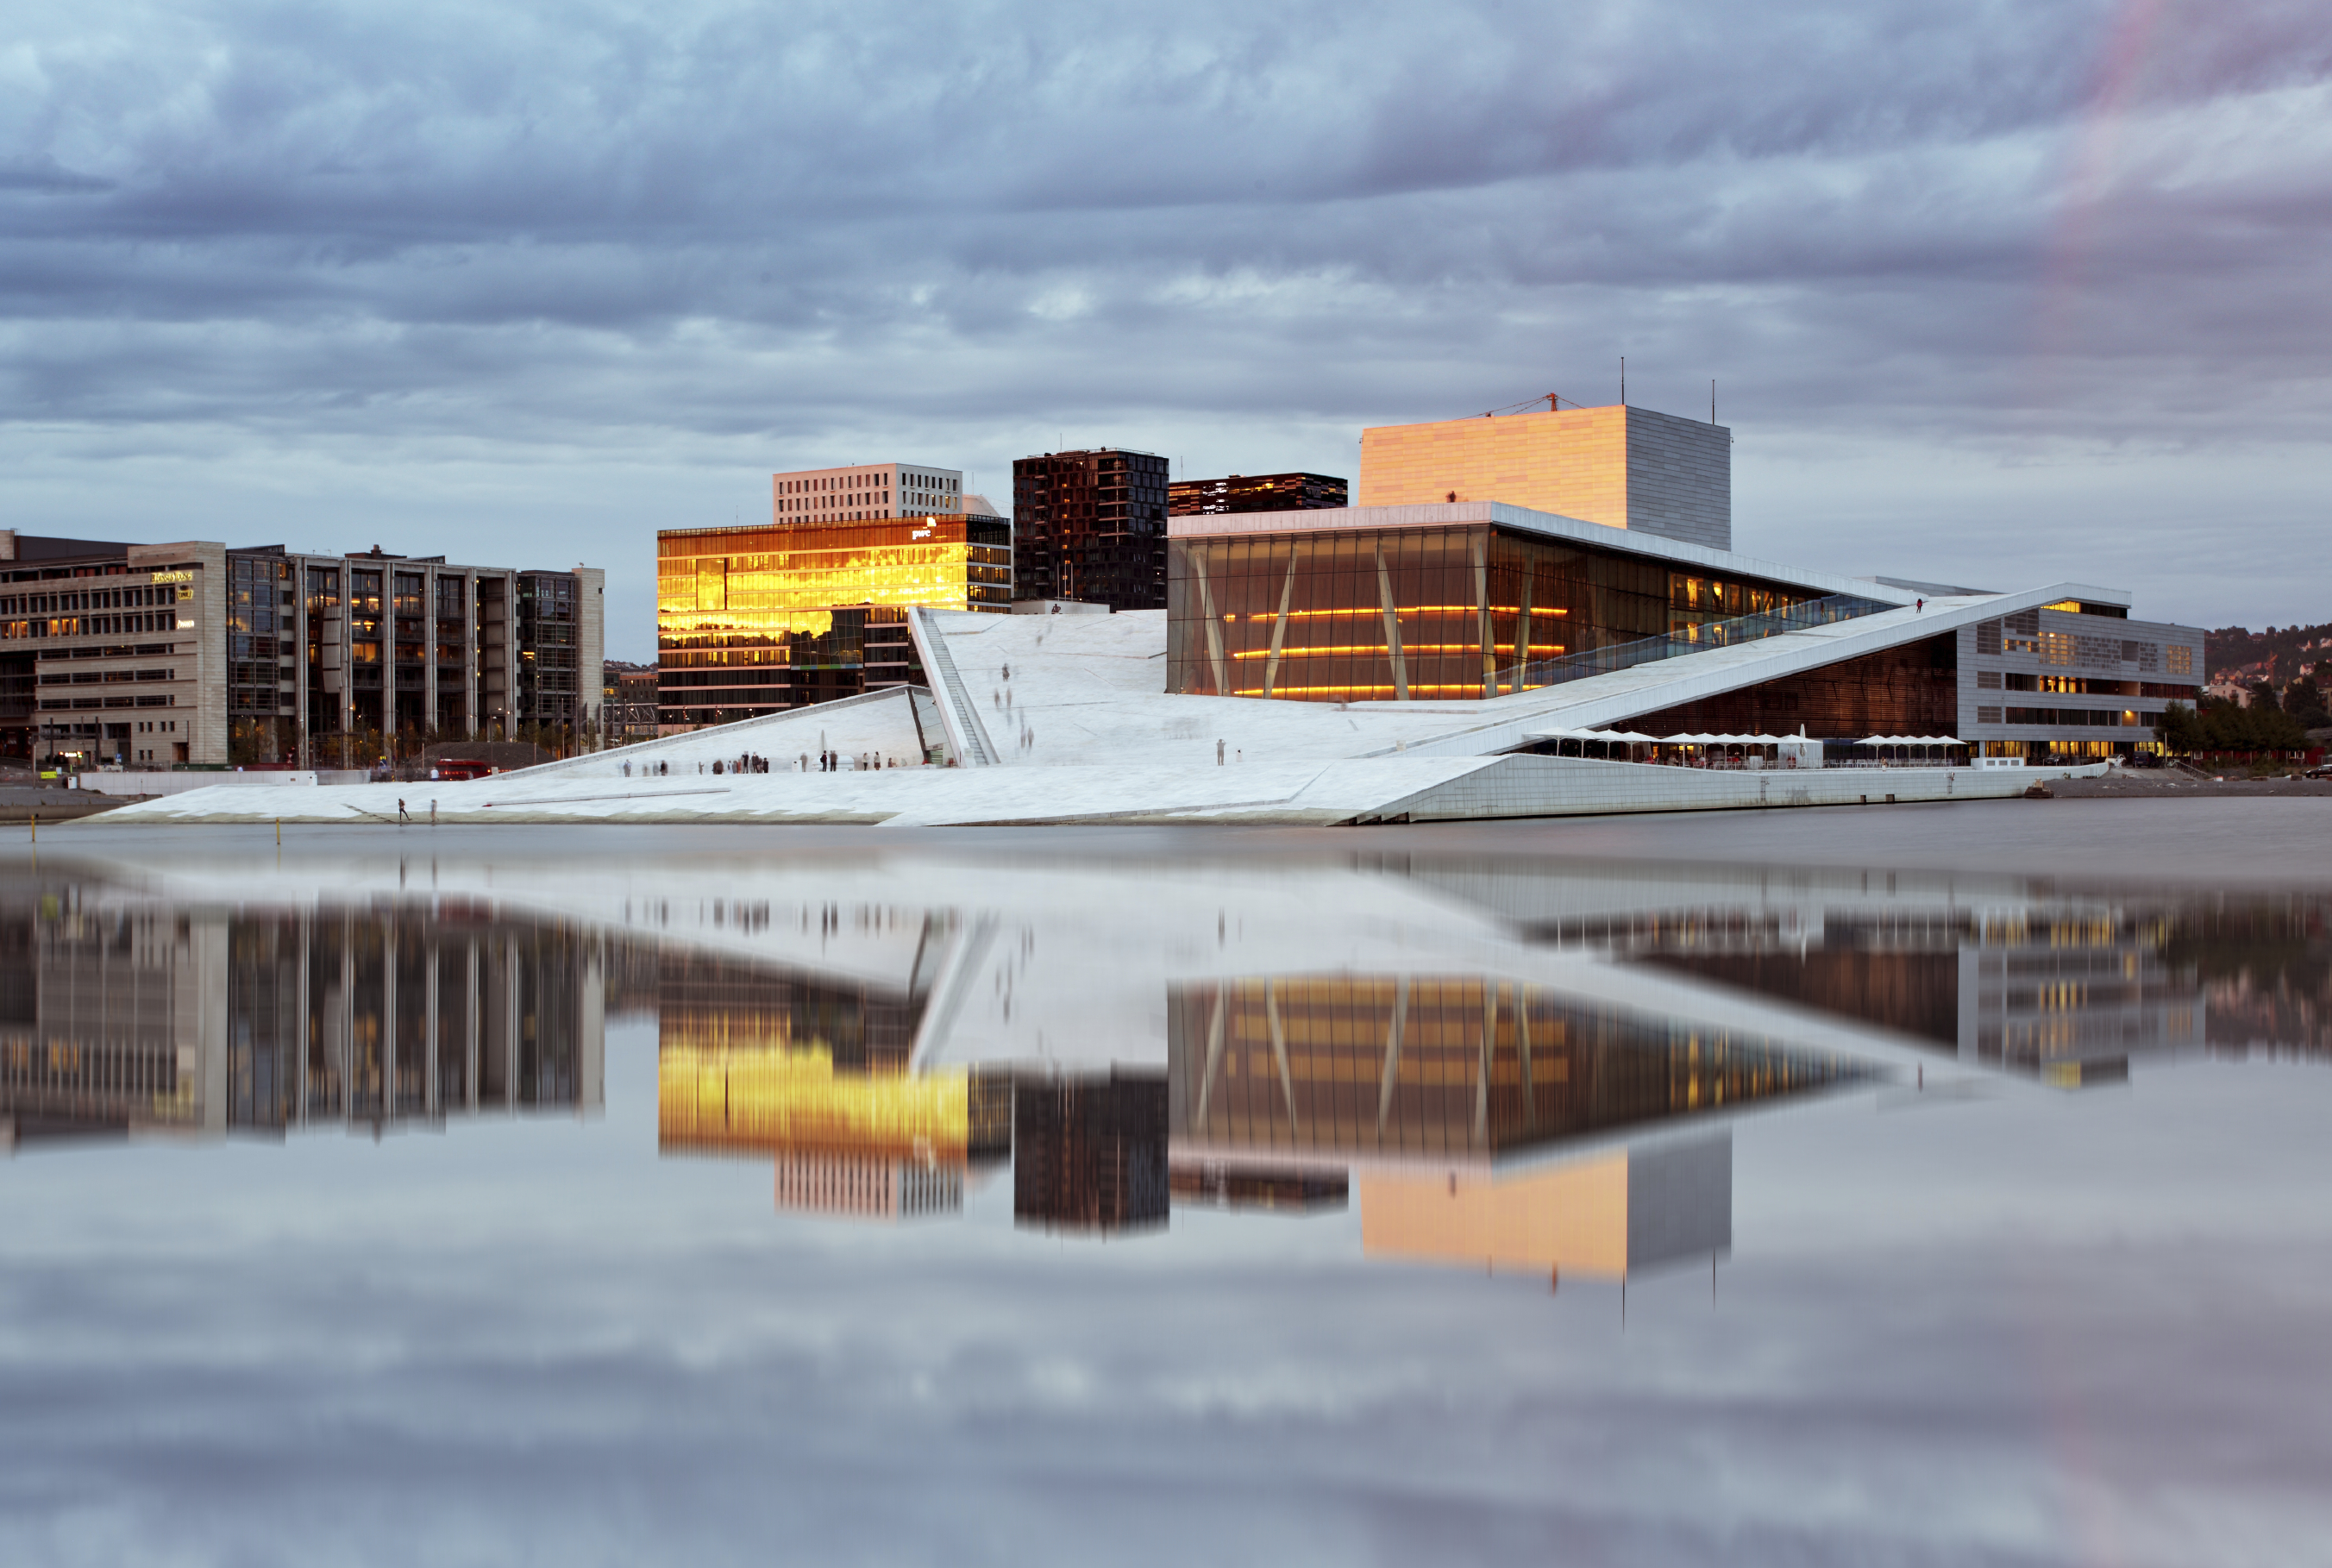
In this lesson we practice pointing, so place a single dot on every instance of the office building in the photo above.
(812, 606)
(627, 711)
(1091, 525)
(1627, 467)
(1255, 493)
(193, 652)
(864, 492)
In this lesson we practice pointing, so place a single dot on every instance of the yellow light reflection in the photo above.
(757, 1098)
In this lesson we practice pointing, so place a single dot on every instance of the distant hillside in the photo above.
(2278, 653)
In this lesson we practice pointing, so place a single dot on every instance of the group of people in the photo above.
(749, 762)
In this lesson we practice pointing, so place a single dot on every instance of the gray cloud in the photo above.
(574, 272)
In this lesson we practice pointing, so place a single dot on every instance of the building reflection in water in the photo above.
(1437, 1100)
(1610, 1217)
(121, 1016)
(810, 1072)
(2067, 995)
(1089, 1150)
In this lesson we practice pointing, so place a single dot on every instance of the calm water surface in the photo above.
(1934, 1185)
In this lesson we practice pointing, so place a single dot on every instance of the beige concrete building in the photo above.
(1629, 467)
(865, 492)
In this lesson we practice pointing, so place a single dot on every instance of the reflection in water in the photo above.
(878, 1055)
(812, 1071)
(1622, 1214)
(2069, 995)
(1437, 1067)
(1089, 1150)
(121, 1015)
(1436, 1085)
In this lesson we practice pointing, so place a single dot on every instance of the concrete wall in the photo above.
(1624, 467)
(1680, 478)
(590, 639)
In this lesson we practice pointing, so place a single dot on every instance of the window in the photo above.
(2180, 661)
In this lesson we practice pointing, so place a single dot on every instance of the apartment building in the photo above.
(193, 652)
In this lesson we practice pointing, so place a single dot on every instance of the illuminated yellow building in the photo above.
(1628, 467)
(753, 620)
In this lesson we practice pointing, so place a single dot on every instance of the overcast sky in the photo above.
(1994, 293)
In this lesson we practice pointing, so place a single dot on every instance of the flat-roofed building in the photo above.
(1256, 493)
(627, 702)
(1629, 467)
(193, 652)
(865, 492)
(1091, 525)
(813, 607)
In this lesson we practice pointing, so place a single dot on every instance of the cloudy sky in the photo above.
(1992, 292)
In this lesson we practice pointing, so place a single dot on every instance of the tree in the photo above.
(2182, 730)
(2304, 700)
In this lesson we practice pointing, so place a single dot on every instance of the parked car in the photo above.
(2321, 771)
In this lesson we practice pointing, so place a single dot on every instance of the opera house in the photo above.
(1537, 614)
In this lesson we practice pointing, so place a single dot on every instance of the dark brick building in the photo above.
(1091, 525)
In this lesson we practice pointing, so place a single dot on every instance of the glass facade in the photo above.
(1371, 614)
(1434, 1066)
(757, 619)
(1911, 690)
(260, 612)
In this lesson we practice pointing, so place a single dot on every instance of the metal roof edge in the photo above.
(1546, 525)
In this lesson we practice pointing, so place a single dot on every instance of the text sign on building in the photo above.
(180, 576)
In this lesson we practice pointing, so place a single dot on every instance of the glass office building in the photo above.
(1466, 610)
(754, 620)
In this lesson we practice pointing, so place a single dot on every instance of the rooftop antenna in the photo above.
(1711, 419)
(1623, 380)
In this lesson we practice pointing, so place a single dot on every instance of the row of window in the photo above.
(73, 704)
(91, 626)
(115, 598)
(2069, 718)
(104, 677)
(2021, 634)
(2081, 685)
